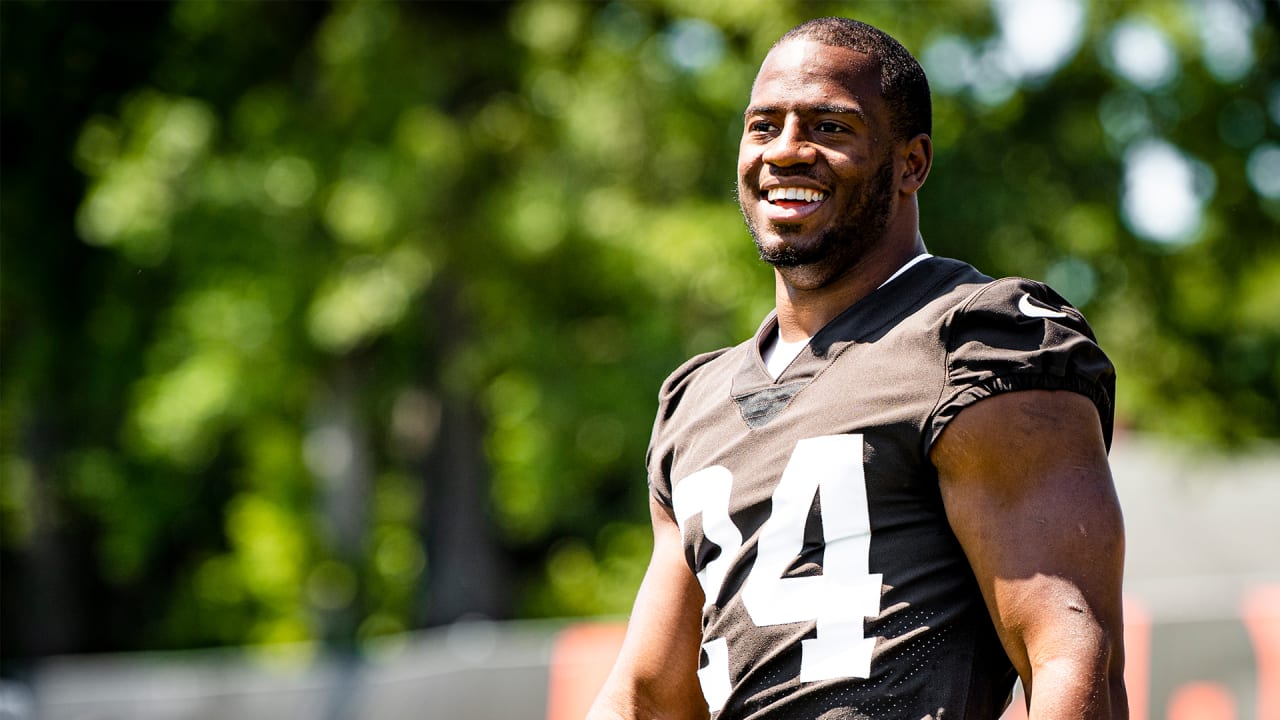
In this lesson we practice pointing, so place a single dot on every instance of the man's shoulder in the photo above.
(1015, 307)
(957, 289)
(1012, 333)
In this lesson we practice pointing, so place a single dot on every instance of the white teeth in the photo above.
(794, 193)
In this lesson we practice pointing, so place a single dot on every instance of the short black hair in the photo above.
(903, 84)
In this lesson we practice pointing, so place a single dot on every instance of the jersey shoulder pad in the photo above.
(1018, 334)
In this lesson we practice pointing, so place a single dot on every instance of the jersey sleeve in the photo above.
(1017, 334)
(658, 458)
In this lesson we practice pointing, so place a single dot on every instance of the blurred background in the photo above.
(330, 332)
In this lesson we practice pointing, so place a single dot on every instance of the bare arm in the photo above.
(1028, 492)
(656, 672)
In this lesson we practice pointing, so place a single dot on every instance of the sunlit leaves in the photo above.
(17, 501)
(270, 545)
(360, 212)
(587, 581)
(549, 27)
(369, 295)
(289, 181)
(180, 411)
(518, 436)
(432, 139)
(534, 214)
(137, 162)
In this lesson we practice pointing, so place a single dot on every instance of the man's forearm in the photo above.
(634, 703)
(1072, 689)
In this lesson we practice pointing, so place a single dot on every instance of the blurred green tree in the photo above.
(324, 321)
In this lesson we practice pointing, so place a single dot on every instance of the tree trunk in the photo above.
(465, 577)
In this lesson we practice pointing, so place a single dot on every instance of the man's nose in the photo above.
(790, 147)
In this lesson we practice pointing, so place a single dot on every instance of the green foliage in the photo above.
(296, 235)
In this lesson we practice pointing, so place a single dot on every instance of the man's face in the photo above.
(815, 165)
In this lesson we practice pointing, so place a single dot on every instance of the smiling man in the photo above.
(895, 498)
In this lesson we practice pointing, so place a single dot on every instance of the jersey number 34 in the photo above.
(828, 468)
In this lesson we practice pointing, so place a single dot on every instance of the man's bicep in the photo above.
(668, 608)
(1028, 491)
(656, 670)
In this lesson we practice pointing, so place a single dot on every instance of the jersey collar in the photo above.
(863, 322)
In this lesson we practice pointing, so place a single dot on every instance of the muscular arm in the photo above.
(1028, 492)
(655, 675)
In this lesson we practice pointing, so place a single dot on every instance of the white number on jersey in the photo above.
(828, 468)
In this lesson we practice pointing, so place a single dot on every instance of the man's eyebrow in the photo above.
(761, 110)
(825, 109)
(840, 110)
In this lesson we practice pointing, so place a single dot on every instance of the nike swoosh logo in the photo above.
(1026, 307)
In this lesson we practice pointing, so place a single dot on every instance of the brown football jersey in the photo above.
(811, 513)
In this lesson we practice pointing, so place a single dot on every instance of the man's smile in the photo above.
(790, 203)
(777, 194)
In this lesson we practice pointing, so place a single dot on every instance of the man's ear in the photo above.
(917, 157)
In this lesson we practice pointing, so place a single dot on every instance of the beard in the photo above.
(842, 244)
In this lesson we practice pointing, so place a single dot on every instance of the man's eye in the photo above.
(761, 126)
(830, 127)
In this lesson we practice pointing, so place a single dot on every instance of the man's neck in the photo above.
(802, 312)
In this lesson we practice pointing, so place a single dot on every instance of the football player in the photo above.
(895, 498)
